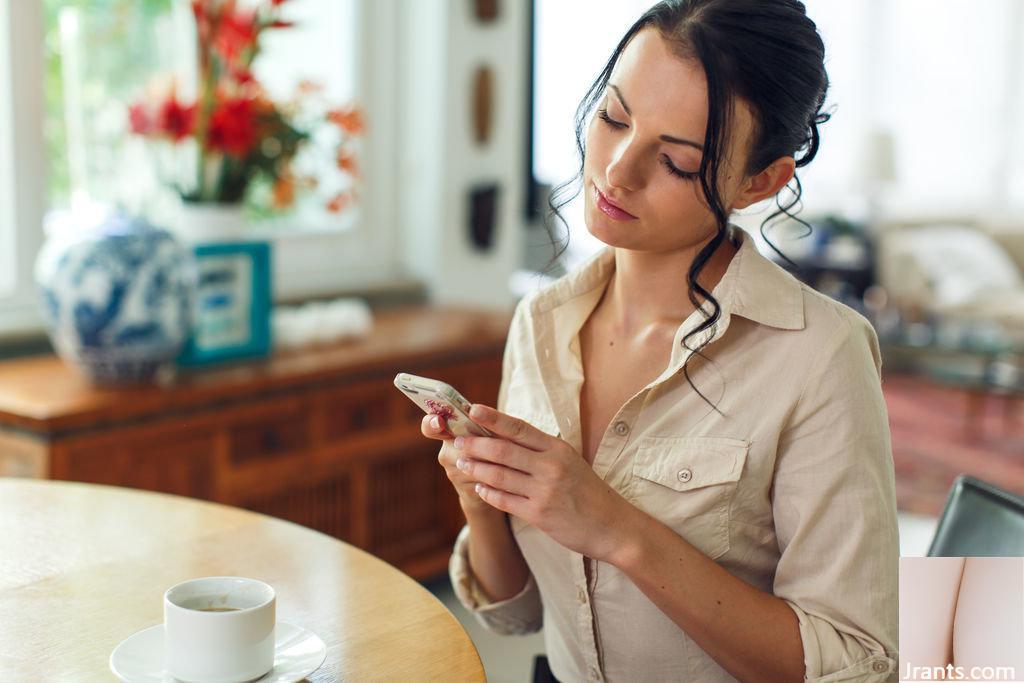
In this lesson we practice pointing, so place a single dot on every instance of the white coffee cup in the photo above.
(219, 629)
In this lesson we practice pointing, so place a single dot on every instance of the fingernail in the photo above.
(476, 412)
(461, 463)
(435, 423)
(458, 443)
(478, 488)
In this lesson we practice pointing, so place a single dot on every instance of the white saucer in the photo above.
(140, 657)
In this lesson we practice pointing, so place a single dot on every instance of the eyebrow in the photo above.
(666, 138)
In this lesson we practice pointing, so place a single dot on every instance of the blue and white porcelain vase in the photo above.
(118, 295)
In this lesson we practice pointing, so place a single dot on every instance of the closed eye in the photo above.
(688, 175)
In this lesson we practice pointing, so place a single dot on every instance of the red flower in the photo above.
(348, 119)
(232, 128)
(175, 119)
(283, 192)
(347, 162)
(242, 75)
(236, 34)
(139, 119)
(338, 203)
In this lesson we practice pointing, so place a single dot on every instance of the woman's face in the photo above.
(653, 95)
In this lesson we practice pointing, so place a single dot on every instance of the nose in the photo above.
(623, 171)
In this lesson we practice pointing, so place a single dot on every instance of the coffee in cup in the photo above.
(219, 629)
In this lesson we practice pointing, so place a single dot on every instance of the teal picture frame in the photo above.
(233, 304)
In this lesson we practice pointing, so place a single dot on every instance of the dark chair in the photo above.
(541, 671)
(979, 520)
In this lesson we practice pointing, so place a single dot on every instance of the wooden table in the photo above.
(84, 566)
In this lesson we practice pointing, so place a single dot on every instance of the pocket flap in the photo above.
(689, 462)
(543, 420)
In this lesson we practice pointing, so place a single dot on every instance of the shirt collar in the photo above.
(753, 286)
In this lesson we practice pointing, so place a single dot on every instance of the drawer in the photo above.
(269, 432)
(360, 409)
(176, 461)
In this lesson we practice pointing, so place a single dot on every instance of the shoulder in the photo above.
(521, 316)
(835, 333)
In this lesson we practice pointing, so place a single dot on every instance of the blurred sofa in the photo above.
(971, 270)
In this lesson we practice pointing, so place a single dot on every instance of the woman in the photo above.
(692, 476)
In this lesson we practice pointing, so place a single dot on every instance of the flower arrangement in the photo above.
(244, 139)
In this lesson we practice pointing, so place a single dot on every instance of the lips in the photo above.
(610, 209)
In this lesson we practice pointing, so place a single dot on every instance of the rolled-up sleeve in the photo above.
(834, 506)
(522, 613)
(518, 615)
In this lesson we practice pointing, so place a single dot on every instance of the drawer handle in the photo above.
(271, 441)
(360, 417)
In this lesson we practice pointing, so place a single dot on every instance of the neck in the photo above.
(648, 290)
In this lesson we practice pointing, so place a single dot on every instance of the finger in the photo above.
(496, 450)
(511, 428)
(502, 500)
(496, 476)
(434, 427)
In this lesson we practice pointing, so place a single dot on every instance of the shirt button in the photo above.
(879, 666)
(685, 475)
(595, 674)
(581, 596)
(621, 428)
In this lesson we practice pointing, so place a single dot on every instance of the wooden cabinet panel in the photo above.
(172, 461)
(23, 456)
(325, 506)
(406, 518)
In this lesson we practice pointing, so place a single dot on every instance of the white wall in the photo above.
(443, 45)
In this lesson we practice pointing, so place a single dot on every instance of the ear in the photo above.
(766, 183)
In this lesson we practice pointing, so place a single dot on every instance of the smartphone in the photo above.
(438, 398)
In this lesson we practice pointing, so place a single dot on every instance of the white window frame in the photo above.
(22, 170)
(307, 263)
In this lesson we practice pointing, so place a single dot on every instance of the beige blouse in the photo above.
(790, 487)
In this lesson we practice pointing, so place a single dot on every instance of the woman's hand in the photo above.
(544, 481)
(434, 427)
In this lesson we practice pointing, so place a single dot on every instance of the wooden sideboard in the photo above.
(318, 436)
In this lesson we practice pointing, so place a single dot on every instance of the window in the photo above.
(102, 56)
(94, 57)
(945, 81)
(21, 166)
(8, 258)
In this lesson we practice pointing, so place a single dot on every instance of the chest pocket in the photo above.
(688, 483)
(527, 401)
